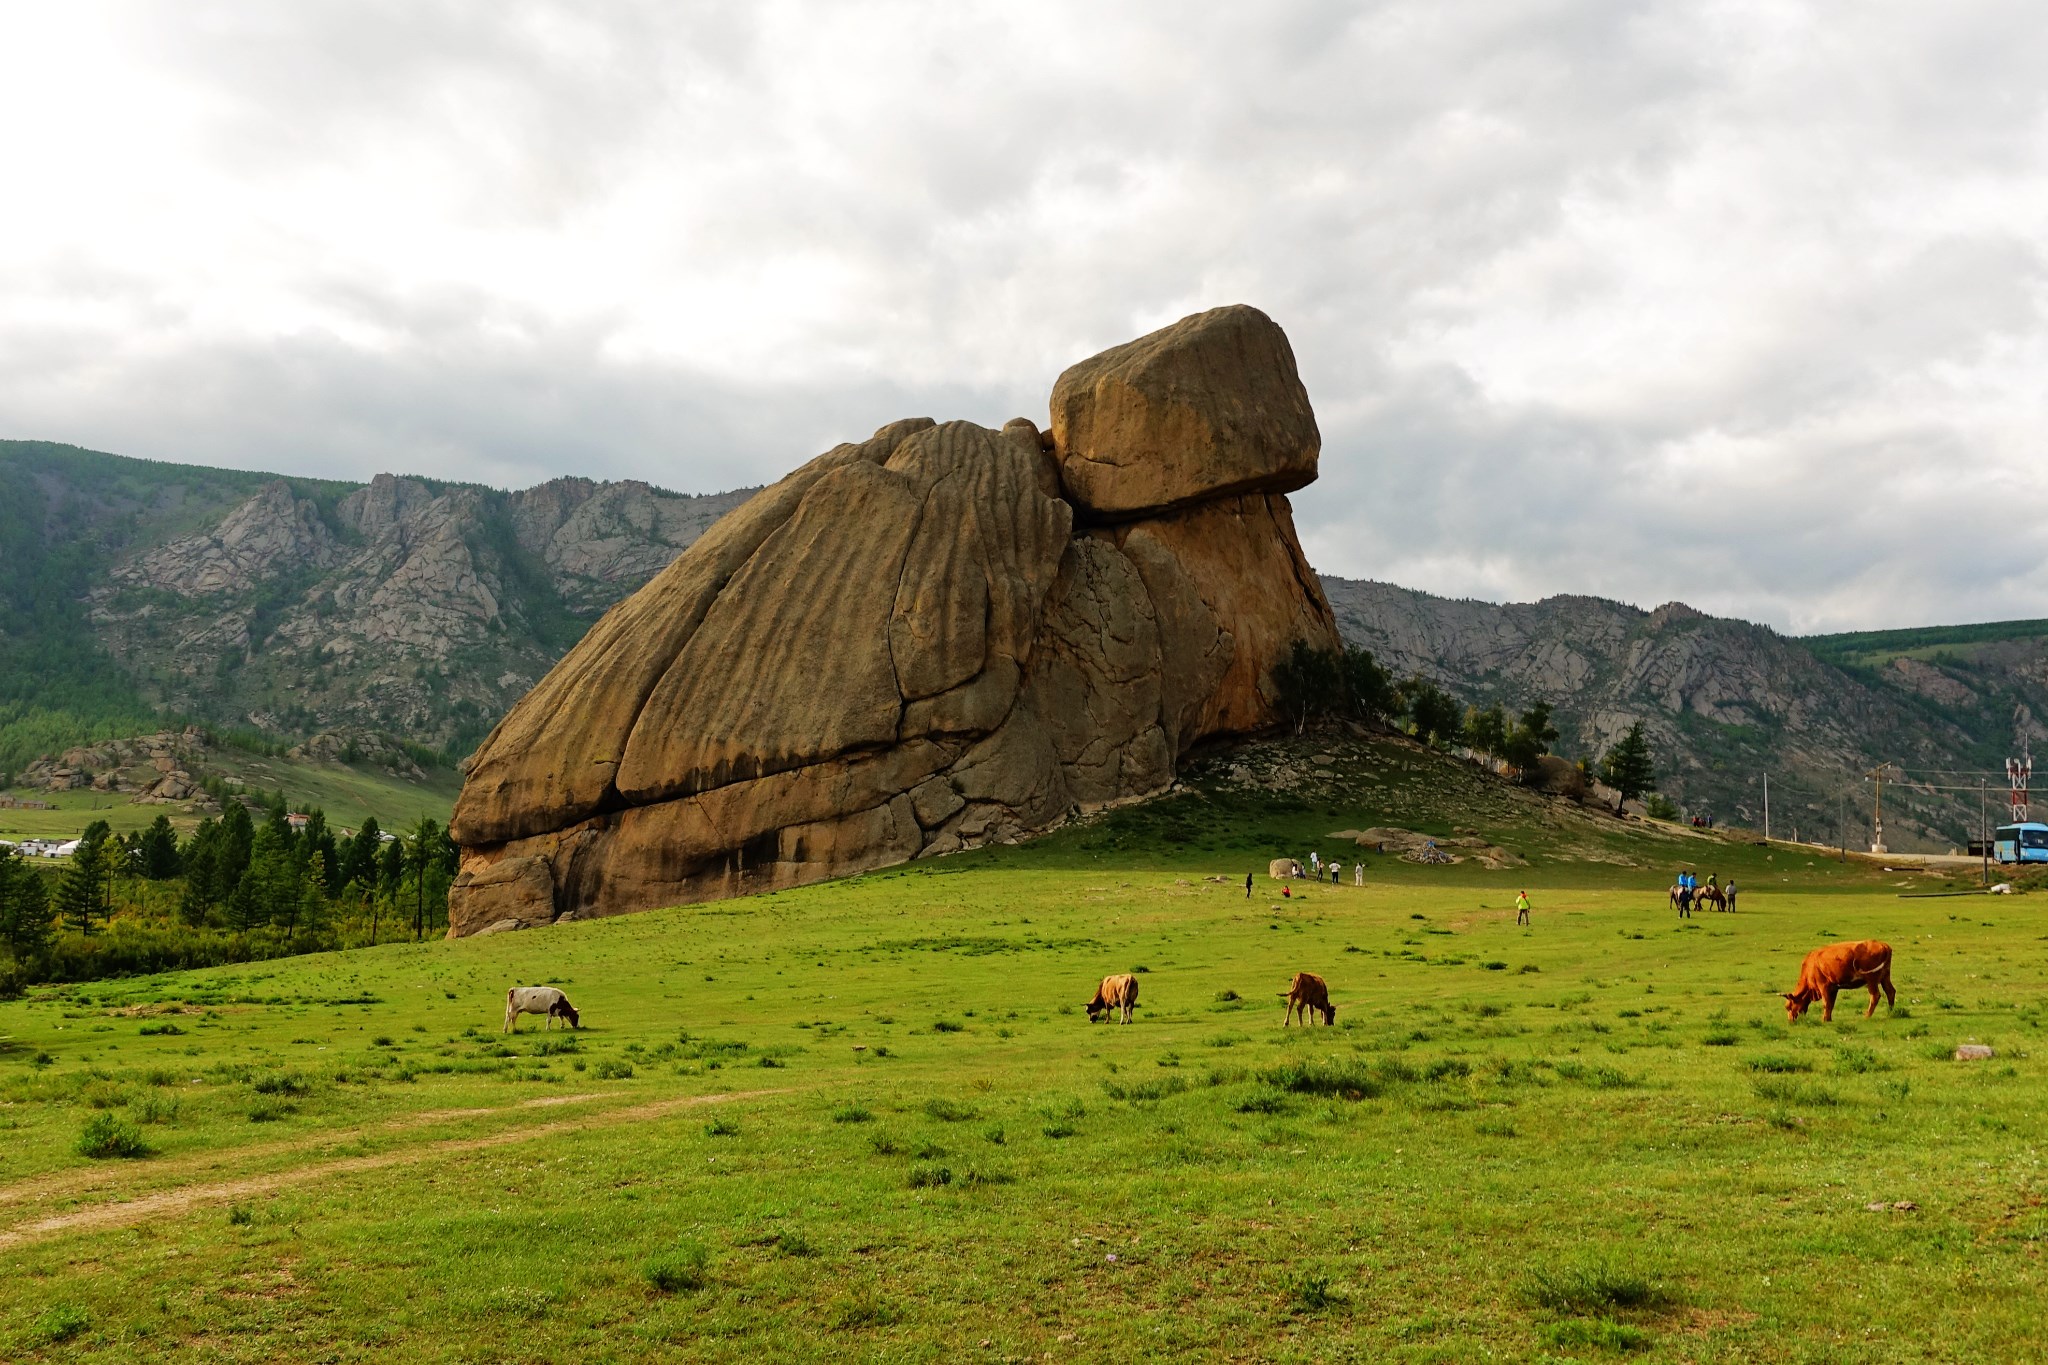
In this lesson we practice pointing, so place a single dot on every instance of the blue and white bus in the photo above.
(2027, 843)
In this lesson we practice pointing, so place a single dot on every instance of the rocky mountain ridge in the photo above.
(295, 607)
(1725, 702)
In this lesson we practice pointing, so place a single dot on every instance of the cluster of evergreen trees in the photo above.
(1349, 684)
(243, 886)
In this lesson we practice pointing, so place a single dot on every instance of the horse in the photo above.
(1711, 894)
(1682, 900)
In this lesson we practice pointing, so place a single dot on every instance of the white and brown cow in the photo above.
(539, 1000)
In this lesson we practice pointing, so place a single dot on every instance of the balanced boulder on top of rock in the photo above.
(906, 648)
(1206, 408)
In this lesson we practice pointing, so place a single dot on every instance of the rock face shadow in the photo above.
(937, 638)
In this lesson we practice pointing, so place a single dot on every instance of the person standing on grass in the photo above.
(1521, 907)
(1729, 892)
(1358, 874)
(1247, 886)
(1315, 864)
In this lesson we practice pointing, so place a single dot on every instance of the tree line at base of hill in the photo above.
(1349, 684)
(243, 887)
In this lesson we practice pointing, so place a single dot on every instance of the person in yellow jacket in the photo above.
(1521, 907)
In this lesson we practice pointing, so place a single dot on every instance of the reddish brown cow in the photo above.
(1116, 993)
(1309, 992)
(1842, 967)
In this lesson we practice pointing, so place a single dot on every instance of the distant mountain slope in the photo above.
(1726, 701)
(419, 608)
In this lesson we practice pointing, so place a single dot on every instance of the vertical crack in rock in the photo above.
(906, 648)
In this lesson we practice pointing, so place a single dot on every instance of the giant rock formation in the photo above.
(940, 637)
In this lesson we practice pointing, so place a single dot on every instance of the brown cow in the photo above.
(1309, 992)
(1842, 967)
(1118, 992)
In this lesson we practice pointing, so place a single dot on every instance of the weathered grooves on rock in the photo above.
(905, 648)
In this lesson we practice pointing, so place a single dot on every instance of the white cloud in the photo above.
(1739, 303)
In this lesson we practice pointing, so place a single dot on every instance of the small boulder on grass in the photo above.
(1974, 1052)
(107, 1136)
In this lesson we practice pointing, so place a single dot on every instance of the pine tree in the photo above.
(422, 854)
(1530, 737)
(1628, 768)
(78, 894)
(159, 847)
(25, 915)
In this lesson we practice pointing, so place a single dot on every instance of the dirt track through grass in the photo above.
(174, 1202)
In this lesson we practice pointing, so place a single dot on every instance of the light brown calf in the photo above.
(1309, 992)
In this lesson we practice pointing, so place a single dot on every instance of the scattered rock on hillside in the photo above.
(919, 643)
(1416, 848)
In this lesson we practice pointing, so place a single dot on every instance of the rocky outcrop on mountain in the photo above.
(272, 533)
(936, 638)
(152, 769)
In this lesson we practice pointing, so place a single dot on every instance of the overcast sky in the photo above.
(1741, 304)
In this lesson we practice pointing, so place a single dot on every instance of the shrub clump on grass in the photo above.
(553, 1047)
(1145, 1090)
(165, 1030)
(721, 1127)
(1781, 1091)
(1778, 1065)
(270, 1111)
(683, 1269)
(792, 1242)
(1602, 1333)
(609, 1070)
(283, 1083)
(1590, 1286)
(1338, 1078)
(1312, 1292)
(61, 1322)
(107, 1136)
(946, 1111)
(851, 1113)
(861, 1308)
(1720, 1037)
(929, 1177)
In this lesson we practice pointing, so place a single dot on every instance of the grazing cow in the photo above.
(1119, 992)
(1309, 992)
(539, 1000)
(1842, 967)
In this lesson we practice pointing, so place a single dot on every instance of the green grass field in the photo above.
(868, 1120)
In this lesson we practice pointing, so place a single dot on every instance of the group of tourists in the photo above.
(1317, 866)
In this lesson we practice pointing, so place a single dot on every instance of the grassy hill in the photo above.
(868, 1119)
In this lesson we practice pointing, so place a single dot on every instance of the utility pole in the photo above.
(1767, 808)
(1984, 827)
(1842, 823)
(1877, 814)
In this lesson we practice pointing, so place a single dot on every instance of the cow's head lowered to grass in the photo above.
(562, 1009)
